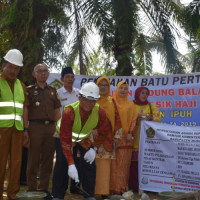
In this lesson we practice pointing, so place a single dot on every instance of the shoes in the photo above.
(76, 191)
(49, 196)
(104, 196)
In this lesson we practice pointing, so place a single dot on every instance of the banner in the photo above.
(175, 96)
(169, 157)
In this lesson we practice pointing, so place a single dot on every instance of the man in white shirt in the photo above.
(67, 95)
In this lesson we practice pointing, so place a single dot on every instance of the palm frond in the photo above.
(160, 17)
(96, 12)
(143, 57)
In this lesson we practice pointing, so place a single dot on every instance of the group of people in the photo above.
(95, 136)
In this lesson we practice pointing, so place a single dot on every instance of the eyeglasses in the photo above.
(40, 71)
(103, 85)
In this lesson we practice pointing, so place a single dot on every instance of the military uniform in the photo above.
(42, 105)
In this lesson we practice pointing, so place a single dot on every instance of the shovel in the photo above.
(82, 190)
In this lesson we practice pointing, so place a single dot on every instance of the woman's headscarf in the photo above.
(125, 108)
(137, 95)
(106, 102)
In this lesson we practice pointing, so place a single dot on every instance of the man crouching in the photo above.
(78, 121)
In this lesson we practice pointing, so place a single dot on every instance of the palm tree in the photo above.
(119, 24)
(81, 28)
(36, 28)
(191, 26)
(40, 28)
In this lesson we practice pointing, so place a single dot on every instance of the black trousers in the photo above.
(24, 166)
(60, 174)
(87, 172)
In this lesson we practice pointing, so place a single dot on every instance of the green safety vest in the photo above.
(78, 132)
(11, 105)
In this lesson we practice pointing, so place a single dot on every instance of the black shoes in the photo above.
(49, 196)
(105, 197)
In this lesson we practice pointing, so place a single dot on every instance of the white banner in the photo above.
(169, 157)
(177, 97)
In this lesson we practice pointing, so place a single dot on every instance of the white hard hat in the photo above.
(90, 91)
(15, 57)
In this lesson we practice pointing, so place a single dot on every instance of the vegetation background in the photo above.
(60, 33)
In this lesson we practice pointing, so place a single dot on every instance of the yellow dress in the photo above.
(145, 109)
(103, 157)
(123, 150)
(133, 176)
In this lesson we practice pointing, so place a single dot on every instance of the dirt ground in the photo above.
(70, 196)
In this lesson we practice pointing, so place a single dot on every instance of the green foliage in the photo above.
(160, 13)
(191, 26)
(118, 24)
(125, 31)
(143, 57)
(98, 63)
(40, 28)
(101, 64)
(97, 14)
(36, 27)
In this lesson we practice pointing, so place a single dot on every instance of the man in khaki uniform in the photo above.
(13, 122)
(43, 114)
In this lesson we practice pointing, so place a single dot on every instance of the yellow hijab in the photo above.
(106, 102)
(126, 108)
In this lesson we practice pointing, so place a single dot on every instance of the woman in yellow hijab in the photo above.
(105, 151)
(123, 139)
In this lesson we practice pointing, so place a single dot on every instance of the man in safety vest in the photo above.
(13, 122)
(78, 120)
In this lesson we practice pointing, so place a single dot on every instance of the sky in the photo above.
(185, 2)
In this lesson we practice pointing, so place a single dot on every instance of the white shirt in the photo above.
(67, 98)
